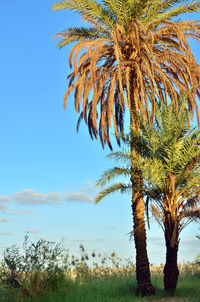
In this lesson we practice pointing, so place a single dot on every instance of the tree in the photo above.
(131, 50)
(170, 163)
(174, 181)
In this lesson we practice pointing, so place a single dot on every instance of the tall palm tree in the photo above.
(170, 163)
(130, 50)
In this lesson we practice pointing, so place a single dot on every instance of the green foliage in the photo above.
(98, 277)
(35, 270)
(169, 153)
(90, 8)
(77, 34)
(110, 12)
(122, 288)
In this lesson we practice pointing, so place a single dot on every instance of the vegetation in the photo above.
(87, 278)
(131, 50)
(169, 160)
(33, 271)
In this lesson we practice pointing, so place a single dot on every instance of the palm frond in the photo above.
(110, 174)
(191, 7)
(75, 34)
(121, 187)
(90, 7)
(123, 156)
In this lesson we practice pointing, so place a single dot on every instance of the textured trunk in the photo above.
(171, 271)
(143, 276)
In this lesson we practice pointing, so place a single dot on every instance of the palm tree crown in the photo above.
(131, 50)
(170, 164)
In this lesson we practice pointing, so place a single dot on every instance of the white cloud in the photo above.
(5, 219)
(156, 240)
(4, 199)
(20, 212)
(3, 207)
(30, 197)
(90, 188)
(5, 233)
(189, 240)
(110, 228)
(82, 194)
(33, 198)
(79, 197)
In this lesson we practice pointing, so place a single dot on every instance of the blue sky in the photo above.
(48, 171)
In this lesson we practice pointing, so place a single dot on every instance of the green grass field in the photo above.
(120, 289)
(117, 287)
(42, 273)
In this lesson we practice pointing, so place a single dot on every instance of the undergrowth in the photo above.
(42, 272)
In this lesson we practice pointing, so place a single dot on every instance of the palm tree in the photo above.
(131, 50)
(169, 161)
(173, 180)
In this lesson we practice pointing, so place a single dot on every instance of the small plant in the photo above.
(36, 269)
(97, 266)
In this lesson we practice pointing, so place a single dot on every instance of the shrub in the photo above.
(36, 269)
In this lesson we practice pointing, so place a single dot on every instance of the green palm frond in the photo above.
(121, 11)
(123, 156)
(142, 7)
(170, 167)
(179, 10)
(121, 187)
(113, 173)
(79, 33)
(154, 172)
(166, 4)
(89, 7)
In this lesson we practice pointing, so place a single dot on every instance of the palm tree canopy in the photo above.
(170, 163)
(131, 49)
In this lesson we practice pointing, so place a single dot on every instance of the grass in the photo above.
(46, 276)
(117, 287)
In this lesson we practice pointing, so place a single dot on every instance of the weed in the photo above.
(40, 267)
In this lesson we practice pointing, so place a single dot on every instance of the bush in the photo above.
(36, 269)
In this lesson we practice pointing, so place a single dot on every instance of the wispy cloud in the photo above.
(4, 199)
(5, 233)
(189, 240)
(5, 220)
(83, 194)
(110, 228)
(156, 240)
(20, 212)
(3, 207)
(33, 198)
(78, 197)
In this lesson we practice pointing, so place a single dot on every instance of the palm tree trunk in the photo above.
(143, 276)
(171, 271)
